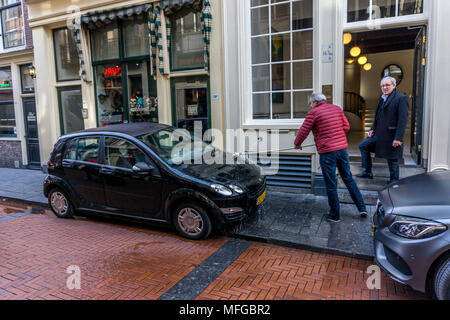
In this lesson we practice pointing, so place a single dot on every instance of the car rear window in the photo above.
(83, 149)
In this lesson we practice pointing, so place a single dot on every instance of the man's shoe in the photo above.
(364, 214)
(365, 175)
(333, 219)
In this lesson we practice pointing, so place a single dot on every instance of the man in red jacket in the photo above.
(329, 126)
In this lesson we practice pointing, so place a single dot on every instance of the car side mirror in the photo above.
(143, 167)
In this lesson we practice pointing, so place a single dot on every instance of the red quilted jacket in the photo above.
(329, 126)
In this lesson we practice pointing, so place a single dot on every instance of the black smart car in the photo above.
(131, 171)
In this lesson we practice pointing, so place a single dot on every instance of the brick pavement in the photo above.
(133, 262)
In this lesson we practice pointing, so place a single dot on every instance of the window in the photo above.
(105, 43)
(87, 150)
(137, 41)
(363, 10)
(7, 112)
(12, 23)
(122, 154)
(282, 58)
(27, 80)
(187, 45)
(71, 150)
(66, 55)
(70, 105)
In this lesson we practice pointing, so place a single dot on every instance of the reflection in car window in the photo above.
(122, 154)
(166, 141)
(88, 149)
(71, 150)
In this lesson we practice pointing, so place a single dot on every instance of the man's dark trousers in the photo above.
(367, 147)
(329, 162)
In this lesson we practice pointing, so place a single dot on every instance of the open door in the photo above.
(418, 95)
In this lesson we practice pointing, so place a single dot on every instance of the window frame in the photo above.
(100, 154)
(3, 45)
(56, 58)
(389, 21)
(21, 80)
(247, 65)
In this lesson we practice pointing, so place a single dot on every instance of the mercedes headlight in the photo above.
(415, 228)
(221, 190)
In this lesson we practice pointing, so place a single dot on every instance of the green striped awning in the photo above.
(173, 6)
(99, 18)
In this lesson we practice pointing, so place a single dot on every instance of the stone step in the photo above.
(375, 184)
(382, 170)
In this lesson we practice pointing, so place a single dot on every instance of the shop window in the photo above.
(12, 23)
(66, 55)
(7, 112)
(105, 43)
(187, 46)
(27, 81)
(70, 106)
(281, 57)
(110, 94)
(363, 10)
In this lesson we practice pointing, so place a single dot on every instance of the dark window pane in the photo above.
(5, 79)
(67, 61)
(407, 7)
(87, 150)
(187, 48)
(301, 104)
(281, 105)
(260, 21)
(27, 81)
(122, 154)
(281, 17)
(261, 78)
(281, 76)
(303, 75)
(136, 38)
(7, 119)
(105, 43)
(303, 45)
(261, 106)
(71, 107)
(357, 10)
(255, 3)
(281, 47)
(260, 50)
(383, 9)
(302, 15)
(71, 150)
(12, 23)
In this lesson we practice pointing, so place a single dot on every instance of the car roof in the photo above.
(131, 129)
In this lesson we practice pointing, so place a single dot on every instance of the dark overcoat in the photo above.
(390, 124)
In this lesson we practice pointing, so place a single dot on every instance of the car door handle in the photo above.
(107, 171)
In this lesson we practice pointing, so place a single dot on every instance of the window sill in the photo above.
(274, 125)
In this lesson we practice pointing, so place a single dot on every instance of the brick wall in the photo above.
(10, 151)
(28, 31)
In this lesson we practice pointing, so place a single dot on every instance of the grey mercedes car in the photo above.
(412, 233)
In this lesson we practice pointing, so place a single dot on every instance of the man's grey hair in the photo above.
(318, 97)
(393, 80)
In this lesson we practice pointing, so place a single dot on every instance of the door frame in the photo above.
(193, 79)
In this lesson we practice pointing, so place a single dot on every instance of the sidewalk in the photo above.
(287, 219)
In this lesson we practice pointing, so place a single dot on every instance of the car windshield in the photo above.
(176, 147)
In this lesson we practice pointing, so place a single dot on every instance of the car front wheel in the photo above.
(192, 221)
(442, 281)
(60, 204)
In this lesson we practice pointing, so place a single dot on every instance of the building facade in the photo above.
(253, 66)
(18, 133)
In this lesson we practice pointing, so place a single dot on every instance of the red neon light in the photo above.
(112, 71)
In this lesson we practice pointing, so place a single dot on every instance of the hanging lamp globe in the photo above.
(362, 60)
(367, 66)
(355, 51)
(347, 38)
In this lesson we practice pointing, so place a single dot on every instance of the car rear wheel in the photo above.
(442, 281)
(60, 203)
(192, 221)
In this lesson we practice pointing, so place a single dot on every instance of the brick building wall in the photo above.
(28, 30)
(10, 152)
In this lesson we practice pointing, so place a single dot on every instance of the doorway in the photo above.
(372, 55)
(31, 133)
(191, 103)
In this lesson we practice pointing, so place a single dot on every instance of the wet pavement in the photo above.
(40, 255)
(288, 219)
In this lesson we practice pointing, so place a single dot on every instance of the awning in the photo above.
(98, 19)
(174, 6)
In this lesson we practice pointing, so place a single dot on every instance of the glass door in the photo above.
(190, 103)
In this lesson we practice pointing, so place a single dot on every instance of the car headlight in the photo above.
(221, 190)
(415, 228)
(236, 189)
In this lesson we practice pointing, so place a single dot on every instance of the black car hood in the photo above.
(429, 189)
(246, 176)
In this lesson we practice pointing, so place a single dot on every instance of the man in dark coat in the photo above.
(388, 131)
